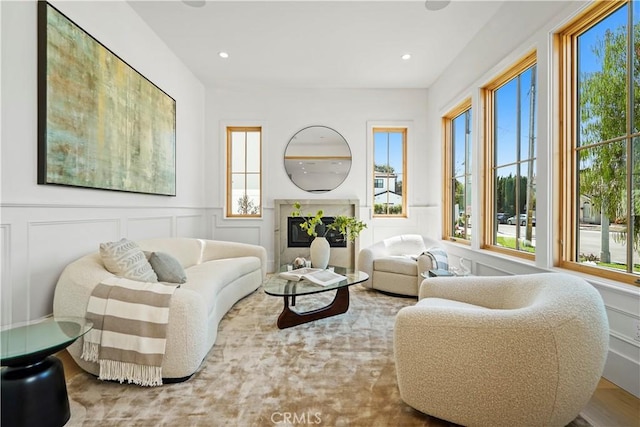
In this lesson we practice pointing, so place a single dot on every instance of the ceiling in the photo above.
(316, 44)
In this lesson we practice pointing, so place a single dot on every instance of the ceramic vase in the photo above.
(320, 252)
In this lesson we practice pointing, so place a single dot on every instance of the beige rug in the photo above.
(333, 372)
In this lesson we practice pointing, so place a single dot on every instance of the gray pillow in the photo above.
(124, 258)
(167, 268)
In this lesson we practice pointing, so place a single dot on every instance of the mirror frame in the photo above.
(324, 164)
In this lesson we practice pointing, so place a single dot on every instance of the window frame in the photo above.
(565, 41)
(229, 190)
(448, 199)
(488, 101)
(391, 129)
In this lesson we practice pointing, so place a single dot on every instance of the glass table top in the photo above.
(277, 286)
(37, 340)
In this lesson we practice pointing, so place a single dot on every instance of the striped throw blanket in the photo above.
(128, 338)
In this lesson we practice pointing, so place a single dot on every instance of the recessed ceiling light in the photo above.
(406, 56)
(224, 55)
(194, 3)
(436, 4)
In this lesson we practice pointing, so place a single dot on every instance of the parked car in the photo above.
(502, 217)
(522, 221)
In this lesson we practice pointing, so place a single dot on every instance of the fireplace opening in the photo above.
(298, 238)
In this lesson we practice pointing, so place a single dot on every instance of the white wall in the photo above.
(516, 30)
(352, 113)
(43, 227)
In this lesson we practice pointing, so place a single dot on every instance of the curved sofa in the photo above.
(218, 275)
(502, 351)
(394, 264)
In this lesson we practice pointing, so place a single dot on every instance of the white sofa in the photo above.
(502, 351)
(218, 275)
(392, 265)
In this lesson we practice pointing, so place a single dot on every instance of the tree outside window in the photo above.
(244, 172)
(604, 147)
(457, 125)
(511, 107)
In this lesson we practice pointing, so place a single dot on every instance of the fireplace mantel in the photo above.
(341, 257)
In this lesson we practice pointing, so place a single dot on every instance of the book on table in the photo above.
(315, 275)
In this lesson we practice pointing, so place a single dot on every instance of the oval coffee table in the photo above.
(289, 290)
(34, 391)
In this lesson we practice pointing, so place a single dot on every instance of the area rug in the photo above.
(333, 372)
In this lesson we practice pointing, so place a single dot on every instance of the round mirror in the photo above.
(317, 159)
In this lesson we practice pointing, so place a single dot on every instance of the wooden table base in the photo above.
(339, 305)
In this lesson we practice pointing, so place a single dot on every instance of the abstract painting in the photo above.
(101, 124)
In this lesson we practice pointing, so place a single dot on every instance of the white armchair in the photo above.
(502, 351)
(394, 264)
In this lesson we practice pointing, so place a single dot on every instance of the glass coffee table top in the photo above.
(280, 287)
(290, 289)
(35, 341)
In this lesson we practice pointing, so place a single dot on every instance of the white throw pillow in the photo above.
(124, 258)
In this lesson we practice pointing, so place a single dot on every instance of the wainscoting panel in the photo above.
(149, 227)
(624, 325)
(5, 274)
(622, 300)
(488, 270)
(249, 235)
(51, 246)
(190, 226)
(38, 240)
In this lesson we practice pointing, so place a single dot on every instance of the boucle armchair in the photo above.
(502, 351)
(394, 264)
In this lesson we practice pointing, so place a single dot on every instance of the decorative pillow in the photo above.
(439, 258)
(167, 268)
(124, 258)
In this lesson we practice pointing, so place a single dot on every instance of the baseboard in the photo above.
(617, 369)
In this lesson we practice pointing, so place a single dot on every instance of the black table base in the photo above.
(35, 395)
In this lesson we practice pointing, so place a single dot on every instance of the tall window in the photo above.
(389, 180)
(457, 126)
(601, 169)
(511, 146)
(244, 172)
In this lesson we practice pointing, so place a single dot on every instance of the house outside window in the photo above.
(389, 180)
(458, 170)
(511, 123)
(600, 85)
(244, 172)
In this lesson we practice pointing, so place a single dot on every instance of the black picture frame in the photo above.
(101, 124)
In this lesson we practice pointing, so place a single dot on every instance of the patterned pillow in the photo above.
(167, 268)
(124, 258)
(439, 258)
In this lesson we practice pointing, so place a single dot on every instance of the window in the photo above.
(510, 104)
(244, 172)
(457, 127)
(600, 78)
(389, 154)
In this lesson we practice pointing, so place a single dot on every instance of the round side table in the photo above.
(33, 387)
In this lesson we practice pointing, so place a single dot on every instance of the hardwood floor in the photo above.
(610, 405)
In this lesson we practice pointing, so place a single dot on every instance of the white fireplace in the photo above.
(285, 254)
